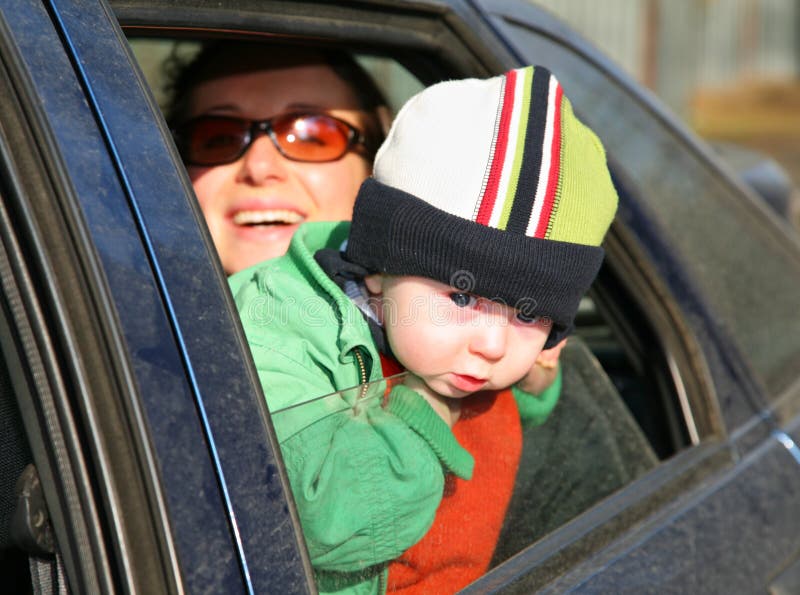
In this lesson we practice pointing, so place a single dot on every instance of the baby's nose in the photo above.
(490, 338)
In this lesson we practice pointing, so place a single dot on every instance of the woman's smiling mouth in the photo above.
(267, 217)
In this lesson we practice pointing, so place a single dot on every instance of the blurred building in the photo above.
(685, 48)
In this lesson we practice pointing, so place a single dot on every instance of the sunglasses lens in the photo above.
(211, 141)
(314, 137)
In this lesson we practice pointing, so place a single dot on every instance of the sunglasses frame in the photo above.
(257, 128)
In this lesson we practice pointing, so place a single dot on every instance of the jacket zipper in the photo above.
(362, 370)
(382, 580)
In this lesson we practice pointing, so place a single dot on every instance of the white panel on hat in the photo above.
(440, 144)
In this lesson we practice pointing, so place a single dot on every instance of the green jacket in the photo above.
(367, 476)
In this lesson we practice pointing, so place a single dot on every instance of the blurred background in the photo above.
(729, 68)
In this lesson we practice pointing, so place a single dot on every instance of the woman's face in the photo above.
(264, 183)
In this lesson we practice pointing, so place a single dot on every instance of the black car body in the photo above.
(128, 382)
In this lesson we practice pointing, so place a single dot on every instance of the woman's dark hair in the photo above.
(221, 58)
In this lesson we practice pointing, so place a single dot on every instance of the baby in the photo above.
(468, 253)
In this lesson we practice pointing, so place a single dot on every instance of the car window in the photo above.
(630, 418)
(619, 413)
(691, 198)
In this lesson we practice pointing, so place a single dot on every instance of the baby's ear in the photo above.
(374, 284)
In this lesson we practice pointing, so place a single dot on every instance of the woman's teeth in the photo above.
(270, 217)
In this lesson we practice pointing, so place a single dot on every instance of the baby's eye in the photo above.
(462, 300)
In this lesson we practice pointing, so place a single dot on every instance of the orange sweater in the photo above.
(459, 545)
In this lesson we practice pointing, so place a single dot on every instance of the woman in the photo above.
(273, 136)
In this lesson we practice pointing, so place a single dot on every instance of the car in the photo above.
(137, 452)
(763, 174)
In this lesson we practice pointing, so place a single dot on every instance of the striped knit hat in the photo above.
(494, 187)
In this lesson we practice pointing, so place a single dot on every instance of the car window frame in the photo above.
(710, 455)
(39, 342)
(65, 78)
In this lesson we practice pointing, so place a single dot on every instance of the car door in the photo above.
(718, 512)
(130, 388)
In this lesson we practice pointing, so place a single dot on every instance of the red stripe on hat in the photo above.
(493, 183)
(555, 167)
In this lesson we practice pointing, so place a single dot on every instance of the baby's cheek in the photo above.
(409, 351)
(519, 368)
(518, 375)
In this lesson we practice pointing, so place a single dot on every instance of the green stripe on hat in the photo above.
(586, 199)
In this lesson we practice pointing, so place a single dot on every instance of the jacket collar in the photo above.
(353, 331)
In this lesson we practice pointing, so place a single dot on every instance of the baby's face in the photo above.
(455, 342)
